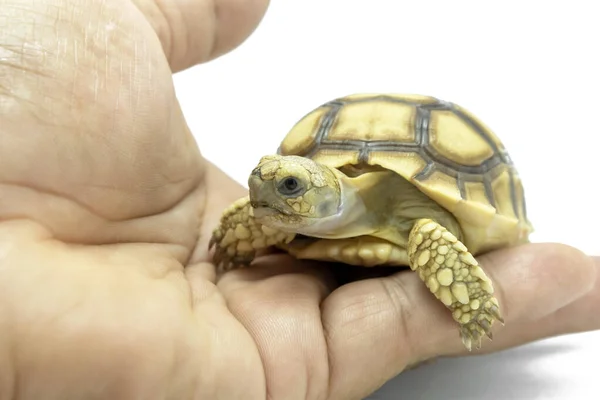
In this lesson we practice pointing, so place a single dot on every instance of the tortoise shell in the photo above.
(438, 146)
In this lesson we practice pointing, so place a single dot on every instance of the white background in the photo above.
(529, 70)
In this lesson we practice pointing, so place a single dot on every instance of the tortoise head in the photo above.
(291, 193)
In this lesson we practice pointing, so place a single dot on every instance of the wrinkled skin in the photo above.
(106, 206)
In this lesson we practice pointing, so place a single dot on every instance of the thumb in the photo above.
(192, 32)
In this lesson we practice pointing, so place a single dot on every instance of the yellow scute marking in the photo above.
(454, 139)
(416, 98)
(476, 192)
(442, 188)
(406, 164)
(501, 189)
(360, 96)
(519, 194)
(336, 158)
(301, 136)
(486, 128)
(375, 120)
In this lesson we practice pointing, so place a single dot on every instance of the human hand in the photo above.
(106, 289)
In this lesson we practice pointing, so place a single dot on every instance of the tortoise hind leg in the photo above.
(239, 236)
(455, 278)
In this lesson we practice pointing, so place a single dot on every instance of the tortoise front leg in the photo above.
(455, 278)
(239, 236)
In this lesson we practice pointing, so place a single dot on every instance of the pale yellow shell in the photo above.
(439, 146)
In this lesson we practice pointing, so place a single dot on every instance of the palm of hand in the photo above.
(107, 206)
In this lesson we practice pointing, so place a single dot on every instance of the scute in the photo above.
(456, 139)
(375, 120)
(415, 98)
(405, 163)
(440, 147)
(489, 133)
(302, 137)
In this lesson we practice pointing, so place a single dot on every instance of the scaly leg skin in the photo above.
(455, 278)
(239, 236)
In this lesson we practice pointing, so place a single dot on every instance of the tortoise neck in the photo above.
(349, 221)
(395, 204)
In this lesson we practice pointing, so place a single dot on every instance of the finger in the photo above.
(580, 315)
(220, 191)
(375, 328)
(192, 32)
(278, 301)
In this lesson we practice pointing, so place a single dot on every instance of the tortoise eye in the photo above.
(290, 186)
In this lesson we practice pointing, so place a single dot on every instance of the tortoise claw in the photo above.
(215, 238)
(496, 313)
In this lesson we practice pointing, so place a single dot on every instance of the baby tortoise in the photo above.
(387, 179)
